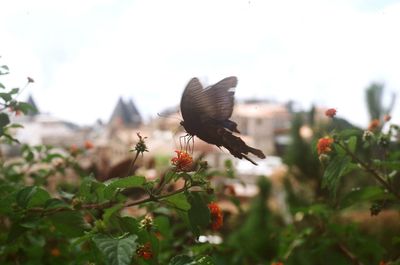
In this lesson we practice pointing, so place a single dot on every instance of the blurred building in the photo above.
(43, 128)
(263, 122)
(125, 115)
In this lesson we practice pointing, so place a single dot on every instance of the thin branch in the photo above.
(109, 203)
(349, 254)
(369, 169)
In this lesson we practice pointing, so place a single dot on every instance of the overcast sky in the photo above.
(84, 55)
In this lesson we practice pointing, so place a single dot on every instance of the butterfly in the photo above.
(206, 114)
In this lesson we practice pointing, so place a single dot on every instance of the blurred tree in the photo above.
(257, 239)
(375, 105)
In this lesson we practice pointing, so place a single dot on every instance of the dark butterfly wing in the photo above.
(222, 97)
(213, 103)
(190, 108)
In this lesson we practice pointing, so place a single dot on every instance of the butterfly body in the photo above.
(206, 114)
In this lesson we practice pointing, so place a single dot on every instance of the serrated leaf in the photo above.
(344, 134)
(39, 198)
(25, 195)
(199, 214)
(352, 143)
(179, 201)
(180, 260)
(91, 190)
(70, 223)
(186, 260)
(124, 183)
(163, 225)
(204, 260)
(392, 165)
(129, 224)
(55, 203)
(109, 212)
(117, 251)
(366, 194)
(336, 168)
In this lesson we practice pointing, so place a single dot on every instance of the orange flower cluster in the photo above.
(74, 149)
(183, 161)
(277, 263)
(144, 251)
(374, 124)
(324, 145)
(330, 113)
(217, 218)
(88, 145)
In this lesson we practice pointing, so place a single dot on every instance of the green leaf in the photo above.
(199, 214)
(344, 134)
(69, 223)
(91, 190)
(14, 91)
(163, 225)
(117, 251)
(180, 260)
(55, 203)
(26, 107)
(39, 198)
(2, 86)
(25, 195)
(352, 143)
(129, 224)
(203, 260)
(336, 168)
(366, 194)
(6, 203)
(179, 201)
(16, 125)
(109, 212)
(392, 165)
(15, 232)
(186, 260)
(4, 120)
(6, 97)
(128, 182)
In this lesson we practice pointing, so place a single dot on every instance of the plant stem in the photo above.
(110, 203)
(370, 170)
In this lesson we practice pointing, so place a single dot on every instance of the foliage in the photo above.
(93, 222)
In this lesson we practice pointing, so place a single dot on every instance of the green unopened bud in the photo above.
(383, 140)
(141, 145)
(367, 136)
(146, 223)
(324, 158)
(76, 203)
